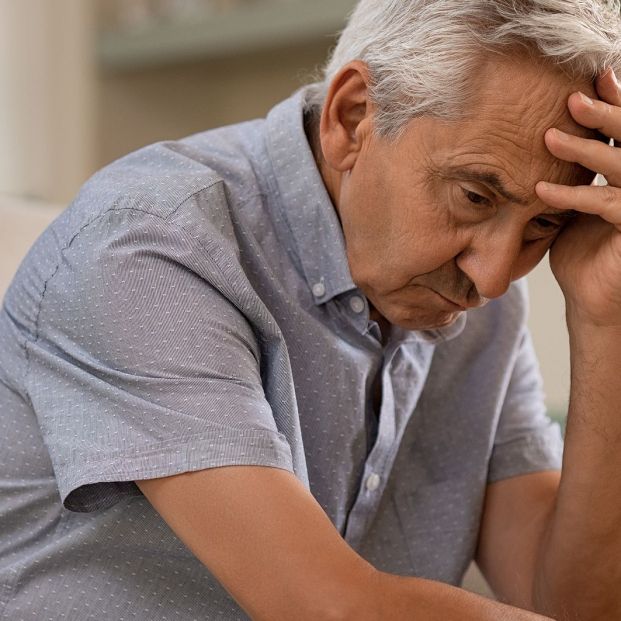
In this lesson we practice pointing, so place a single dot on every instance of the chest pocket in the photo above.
(440, 524)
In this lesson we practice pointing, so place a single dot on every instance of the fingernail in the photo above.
(548, 187)
(587, 100)
(561, 135)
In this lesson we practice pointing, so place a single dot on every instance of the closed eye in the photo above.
(548, 226)
(476, 199)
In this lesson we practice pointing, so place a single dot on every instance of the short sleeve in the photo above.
(526, 440)
(141, 368)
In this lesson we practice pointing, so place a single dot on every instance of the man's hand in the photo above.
(586, 258)
(577, 570)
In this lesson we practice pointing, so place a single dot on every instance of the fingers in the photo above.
(605, 116)
(602, 201)
(595, 114)
(591, 154)
(608, 88)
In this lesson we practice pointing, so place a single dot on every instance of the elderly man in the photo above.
(281, 371)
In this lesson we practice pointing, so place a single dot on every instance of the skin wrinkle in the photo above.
(503, 165)
(409, 229)
(519, 191)
(495, 182)
(504, 134)
(538, 109)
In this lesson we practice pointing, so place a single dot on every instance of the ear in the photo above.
(346, 116)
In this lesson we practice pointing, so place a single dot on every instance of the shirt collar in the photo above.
(306, 206)
(305, 203)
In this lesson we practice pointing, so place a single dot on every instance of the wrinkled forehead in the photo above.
(515, 102)
(522, 79)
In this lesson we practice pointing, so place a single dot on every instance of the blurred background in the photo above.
(82, 82)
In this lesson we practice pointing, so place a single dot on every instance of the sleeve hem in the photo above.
(99, 483)
(536, 452)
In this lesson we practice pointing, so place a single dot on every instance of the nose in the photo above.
(491, 264)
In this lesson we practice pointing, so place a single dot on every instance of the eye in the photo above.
(476, 199)
(543, 228)
(546, 225)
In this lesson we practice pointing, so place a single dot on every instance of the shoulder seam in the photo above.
(114, 207)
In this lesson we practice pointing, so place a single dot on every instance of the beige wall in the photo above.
(47, 100)
(142, 106)
(21, 222)
(549, 330)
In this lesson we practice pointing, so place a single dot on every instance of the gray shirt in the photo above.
(193, 308)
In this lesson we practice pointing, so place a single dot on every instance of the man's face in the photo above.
(445, 217)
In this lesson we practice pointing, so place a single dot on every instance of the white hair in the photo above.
(423, 54)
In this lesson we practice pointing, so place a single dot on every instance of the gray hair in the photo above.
(422, 54)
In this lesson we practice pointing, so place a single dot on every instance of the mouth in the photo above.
(455, 306)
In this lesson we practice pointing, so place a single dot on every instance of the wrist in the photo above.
(405, 598)
(579, 323)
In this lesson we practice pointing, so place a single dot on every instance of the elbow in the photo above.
(358, 600)
(364, 602)
(352, 598)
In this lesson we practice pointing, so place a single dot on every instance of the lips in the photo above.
(455, 305)
(466, 305)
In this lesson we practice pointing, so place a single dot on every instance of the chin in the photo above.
(441, 320)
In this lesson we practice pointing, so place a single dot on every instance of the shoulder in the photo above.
(162, 178)
(170, 199)
(187, 184)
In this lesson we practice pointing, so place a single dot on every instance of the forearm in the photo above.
(579, 568)
(401, 598)
(271, 546)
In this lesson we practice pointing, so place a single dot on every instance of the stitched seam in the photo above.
(113, 208)
(182, 442)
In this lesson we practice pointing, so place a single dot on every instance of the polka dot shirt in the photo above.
(194, 308)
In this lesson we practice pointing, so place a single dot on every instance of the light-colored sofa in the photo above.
(21, 222)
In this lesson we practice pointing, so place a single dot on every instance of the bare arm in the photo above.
(515, 518)
(579, 570)
(269, 543)
(265, 538)
(550, 542)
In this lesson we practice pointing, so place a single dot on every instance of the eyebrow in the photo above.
(487, 178)
(493, 180)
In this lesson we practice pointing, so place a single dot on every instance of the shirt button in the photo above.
(373, 482)
(319, 290)
(356, 303)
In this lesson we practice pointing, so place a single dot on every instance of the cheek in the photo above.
(396, 231)
(423, 260)
(435, 238)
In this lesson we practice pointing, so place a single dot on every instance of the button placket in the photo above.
(380, 458)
